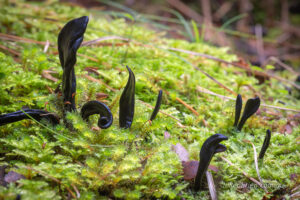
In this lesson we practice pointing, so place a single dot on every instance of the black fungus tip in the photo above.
(97, 107)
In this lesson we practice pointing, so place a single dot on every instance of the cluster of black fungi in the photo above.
(69, 40)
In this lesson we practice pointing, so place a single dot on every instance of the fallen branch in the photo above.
(256, 165)
(244, 173)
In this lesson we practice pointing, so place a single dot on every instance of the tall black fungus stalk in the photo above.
(238, 109)
(69, 40)
(265, 145)
(157, 106)
(126, 111)
(209, 148)
(28, 114)
(251, 107)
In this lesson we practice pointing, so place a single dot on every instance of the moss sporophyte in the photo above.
(76, 153)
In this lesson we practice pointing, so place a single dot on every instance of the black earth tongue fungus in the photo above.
(265, 145)
(251, 107)
(28, 114)
(157, 105)
(69, 40)
(209, 148)
(97, 107)
(126, 111)
(238, 109)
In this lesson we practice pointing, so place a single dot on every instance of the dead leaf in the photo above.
(190, 169)
(12, 177)
(47, 74)
(181, 152)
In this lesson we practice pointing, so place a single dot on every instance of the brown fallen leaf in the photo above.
(190, 169)
(12, 177)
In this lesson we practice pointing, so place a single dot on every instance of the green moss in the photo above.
(136, 163)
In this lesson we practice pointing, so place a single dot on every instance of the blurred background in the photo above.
(262, 32)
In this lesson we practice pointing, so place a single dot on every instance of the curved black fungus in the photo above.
(69, 40)
(34, 113)
(208, 149)
(265, 145)
(238, 109)
(97, 107)
(157, 105)
(126, 111)
(251, 107)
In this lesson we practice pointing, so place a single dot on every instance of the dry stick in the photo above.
(100, 82)
(113, 37)
(184, 9)
(256, 165)
(88, 57)
(244, 173)
(19, 39)
(206, 91)
(211, 186)
(285, 66)
(187, 106)
(259, 73)
(11, 51)
(76, 190)
(54, 179)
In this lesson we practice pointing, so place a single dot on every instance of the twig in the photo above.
(244, 173)
(285, 66)
(256, 165)
(259, 73)
(187, 106)
(54, 179)
(11, 51)
(47, 74)
(184, 9)
(46, 46)
(92, 42)
(100, 82)
(76, 190)
(211, 186)
(88, 57)
(4, 36)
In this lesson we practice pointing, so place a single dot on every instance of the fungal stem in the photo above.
(97, 107)
(238, 109)
(209, 148)
(251, 107)
(157, 105)
(69, 40)
(126, 103)
(265, 144)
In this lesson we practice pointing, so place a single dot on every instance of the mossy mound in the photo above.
(136, 163)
